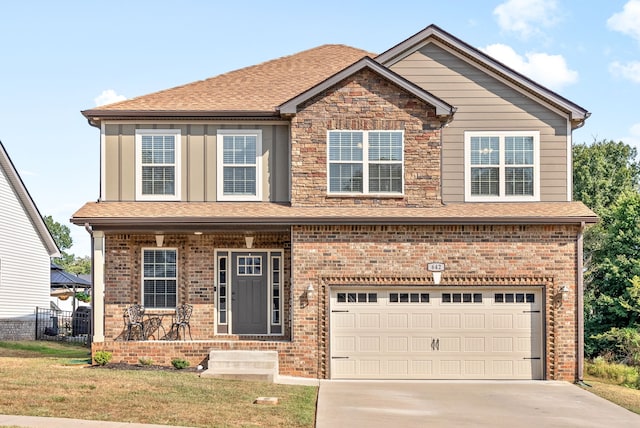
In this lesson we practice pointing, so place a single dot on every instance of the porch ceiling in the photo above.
(184, 215)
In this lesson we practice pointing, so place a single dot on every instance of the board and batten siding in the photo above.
(485, 103)
(25, 266)
(198, 160)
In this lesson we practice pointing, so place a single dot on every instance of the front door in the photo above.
(249, 293)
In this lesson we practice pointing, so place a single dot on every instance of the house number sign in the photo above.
(435, 267)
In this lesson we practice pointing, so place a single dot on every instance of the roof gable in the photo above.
(443, 109)
(27, 203)
(482, 60)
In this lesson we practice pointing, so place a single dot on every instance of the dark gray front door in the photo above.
(249, 293)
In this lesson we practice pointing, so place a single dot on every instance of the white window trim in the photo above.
(365, 164)
(142, 277)
(502, 198)
(220, 166)
(178, 170)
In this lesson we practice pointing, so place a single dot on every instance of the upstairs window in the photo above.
(239, 158)
(157, 164)
(365, 162)
(502, 166)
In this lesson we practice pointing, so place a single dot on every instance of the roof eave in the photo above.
(95, 116)
(325, 220)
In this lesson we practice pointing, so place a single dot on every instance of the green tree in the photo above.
(62, 236)
(606, 178)
(602, 172)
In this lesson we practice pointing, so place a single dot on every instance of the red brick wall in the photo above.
(341, 255)
(474, 255)
(365, 101)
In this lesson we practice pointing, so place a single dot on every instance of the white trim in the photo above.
(142, 277)
(569, 162)
(365, 163)
(177, 165)
(103, 161)
(220, 196)
(502, 197)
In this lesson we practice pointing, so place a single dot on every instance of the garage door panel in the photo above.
(450, 320)
(474, 344)
(411, 338)
(474, 320)
(369, 320)
(422, 320)
(369, 344)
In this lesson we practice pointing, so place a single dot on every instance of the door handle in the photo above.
(437, 344)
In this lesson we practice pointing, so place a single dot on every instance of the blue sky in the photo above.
(58, 58)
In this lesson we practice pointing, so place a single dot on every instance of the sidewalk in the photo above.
(42, 422)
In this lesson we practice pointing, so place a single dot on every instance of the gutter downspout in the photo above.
(580, 306)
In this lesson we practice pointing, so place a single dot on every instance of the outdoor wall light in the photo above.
(310, 291)
(159, 240)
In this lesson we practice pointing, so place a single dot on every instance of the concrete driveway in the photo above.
(523, 404)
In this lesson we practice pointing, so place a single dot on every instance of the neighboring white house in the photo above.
(26, 248)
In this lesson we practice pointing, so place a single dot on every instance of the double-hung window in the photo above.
(159, 278)
(239, 165)
(365, 162)
(502, 166)
(158, 164)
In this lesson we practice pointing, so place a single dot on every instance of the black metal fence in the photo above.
(64, 326)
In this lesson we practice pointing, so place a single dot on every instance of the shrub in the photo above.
(619, 374)
(145, 361)
(102, 357)
(624, 343)
(180, 363)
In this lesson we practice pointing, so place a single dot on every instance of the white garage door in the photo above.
(436, 334)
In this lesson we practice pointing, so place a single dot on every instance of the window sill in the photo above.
(365, 195)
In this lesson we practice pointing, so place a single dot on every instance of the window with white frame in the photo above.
(239, 158)
(158, 164)
(159, 278)
(502, 166)
(365, 162)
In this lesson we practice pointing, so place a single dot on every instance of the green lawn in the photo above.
(53, 379)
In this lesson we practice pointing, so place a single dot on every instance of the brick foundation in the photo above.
(18, 329)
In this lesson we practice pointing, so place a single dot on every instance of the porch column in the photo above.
(98, 286)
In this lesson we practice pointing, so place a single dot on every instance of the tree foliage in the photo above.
(602, 172)
(606, 178)
(62, 236)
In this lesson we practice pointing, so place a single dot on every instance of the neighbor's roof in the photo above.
(138, 215)
(257, 89)
(61, 278)
(30, 208)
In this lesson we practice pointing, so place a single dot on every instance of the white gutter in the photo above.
(580, 306)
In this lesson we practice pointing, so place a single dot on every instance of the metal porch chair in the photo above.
(135, 314)
(181, 320)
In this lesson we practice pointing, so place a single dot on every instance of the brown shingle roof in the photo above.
(262, 213)
(258, 88)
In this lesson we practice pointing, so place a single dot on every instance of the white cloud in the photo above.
(627, 21)
(551, 71)
(630, 70)
(108, 96)
(634, 136)
(526, 17)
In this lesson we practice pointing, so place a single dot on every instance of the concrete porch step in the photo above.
(243, 365)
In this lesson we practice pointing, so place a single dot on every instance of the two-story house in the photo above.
(400, 216)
